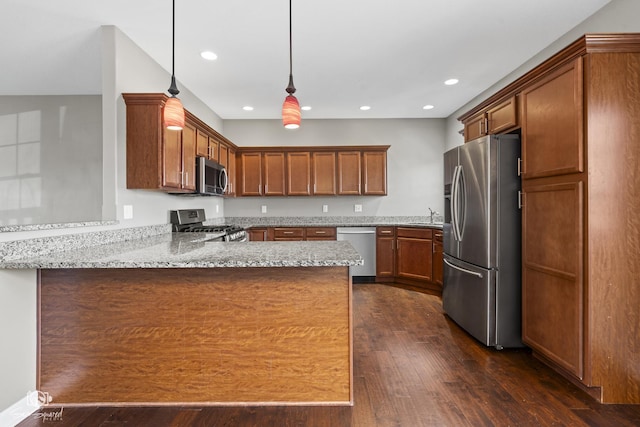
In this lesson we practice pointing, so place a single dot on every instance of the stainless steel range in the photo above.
(191, 221)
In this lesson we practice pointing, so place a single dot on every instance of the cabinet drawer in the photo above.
(418, 233)
(288, 232)
(385, 231)
(437, 236)
(328, 233)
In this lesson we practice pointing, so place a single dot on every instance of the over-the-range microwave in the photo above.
(211, 177)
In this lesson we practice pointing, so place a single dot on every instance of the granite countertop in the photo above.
(188, 250)
(336, 221)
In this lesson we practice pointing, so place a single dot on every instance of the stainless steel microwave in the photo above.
(211, 177)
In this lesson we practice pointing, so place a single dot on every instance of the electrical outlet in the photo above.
(217, 208)
(325, 208)
(128, 211)
(264, 209)
(357, 208)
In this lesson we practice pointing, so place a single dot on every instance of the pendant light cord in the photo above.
(173, 89)
(291, 89)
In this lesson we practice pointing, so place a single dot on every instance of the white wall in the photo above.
(414, 164)
(618, 16)
(18, 333)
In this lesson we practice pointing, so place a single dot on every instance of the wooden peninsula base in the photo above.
(196, 336)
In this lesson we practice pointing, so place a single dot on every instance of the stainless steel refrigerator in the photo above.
(481, 239)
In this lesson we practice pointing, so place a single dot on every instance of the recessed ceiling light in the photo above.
(428, 107)
(451, 82)
(247, 108)
(208, 55)
(306, 108)
(365, 108)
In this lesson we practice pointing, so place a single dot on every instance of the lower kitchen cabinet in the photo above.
(257, 234)
(283, 234)
(405, 255)
(437, 259)
(385, 254)
(414, 253)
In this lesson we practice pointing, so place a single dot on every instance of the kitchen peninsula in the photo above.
(172, 319)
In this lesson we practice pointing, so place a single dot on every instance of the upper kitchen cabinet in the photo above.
(227, 158)
(161, 159)
(498, 117)
(250, 173)
(299, 173)
(157, 158)
(349, 173)
(318, 171)
(580, 212)
(324, 173)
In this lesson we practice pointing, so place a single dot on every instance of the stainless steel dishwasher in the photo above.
(363, 240)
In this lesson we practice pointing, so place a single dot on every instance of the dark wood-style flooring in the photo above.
(412, 367)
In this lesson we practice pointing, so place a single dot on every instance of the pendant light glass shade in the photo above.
(173, 114)
(291, 113)
(173, 109)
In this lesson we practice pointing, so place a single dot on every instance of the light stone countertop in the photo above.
(187, 250)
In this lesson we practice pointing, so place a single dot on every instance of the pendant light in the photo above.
(291, 107)
(173, 109)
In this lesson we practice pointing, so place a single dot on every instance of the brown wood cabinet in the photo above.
(213, 148)
(437, 258)
(299, 174)
(317, 171)
(414, 253)
(374, 173)
(405, 255)
(324, 173)
(581, 210)
(161, 159)
(498, 118)
(349, 173)
(385, 253)
(231, 172)
(300, 233)
(257, 234)
(250, 170)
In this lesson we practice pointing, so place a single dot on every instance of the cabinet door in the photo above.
(552, 265)
(189, 157)
(250, 174)
(171, 159)
(223, 154)
(503, 116)
(414, 258)
(438, 262)
(274, 174)
(349, 173)
(299, 174)
(374, 173)
(324, 173)
(213, 148)
(231, 172)
(385, 253)
(552, 124)
(475, 127)
(202, 144)
(257, 234)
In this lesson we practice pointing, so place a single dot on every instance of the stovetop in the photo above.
(191, 221)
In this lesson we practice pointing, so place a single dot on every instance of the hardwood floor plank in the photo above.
(413, 367)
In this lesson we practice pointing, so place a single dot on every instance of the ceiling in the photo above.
(391, 55)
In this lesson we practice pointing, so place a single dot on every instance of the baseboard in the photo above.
(363, 279)
(19, 411)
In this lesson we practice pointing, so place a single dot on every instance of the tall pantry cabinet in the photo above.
(580, 131)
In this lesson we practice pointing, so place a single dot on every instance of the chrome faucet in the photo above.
(431, 214)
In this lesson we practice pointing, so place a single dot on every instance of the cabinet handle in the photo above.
(519, 166)
(385, 232)
(480, 126)
(321, 232)
(287, 232)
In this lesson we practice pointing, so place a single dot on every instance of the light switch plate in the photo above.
(264, 208)
(325, 208)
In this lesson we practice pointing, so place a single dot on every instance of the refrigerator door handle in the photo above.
(464, 270)
(455, 199)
